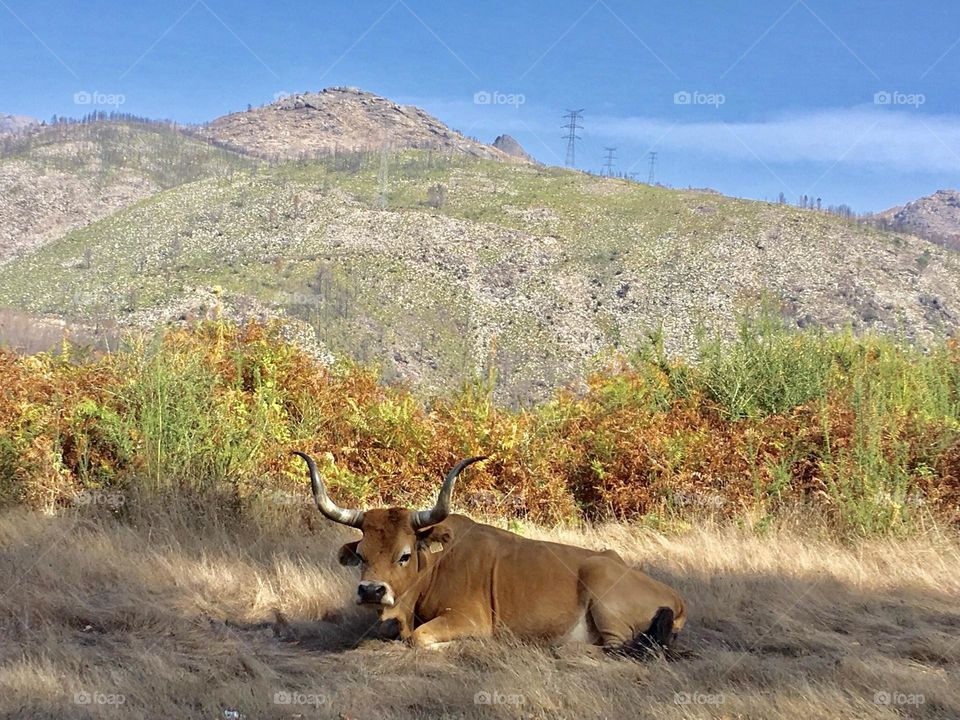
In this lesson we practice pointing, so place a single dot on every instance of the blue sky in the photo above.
(780, 96)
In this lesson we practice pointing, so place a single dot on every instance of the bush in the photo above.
(862, 430)
(437, 196)
(769, 368)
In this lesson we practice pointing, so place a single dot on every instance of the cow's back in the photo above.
(537, 588)
(527, 587)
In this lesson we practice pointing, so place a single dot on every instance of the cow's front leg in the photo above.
(399, 620)
(451, 625)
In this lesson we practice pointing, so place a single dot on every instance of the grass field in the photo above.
(188, 614)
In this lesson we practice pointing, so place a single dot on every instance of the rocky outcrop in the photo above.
(935, 218)
(509, 145)
(15, 124)
(335, 120)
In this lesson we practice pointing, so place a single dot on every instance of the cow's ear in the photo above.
(434, 538)
(348, 554)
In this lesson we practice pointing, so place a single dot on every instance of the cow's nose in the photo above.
(371, 592)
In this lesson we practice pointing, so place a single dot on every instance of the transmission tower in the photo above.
(608, 160)
(573, 118)
(651, 178)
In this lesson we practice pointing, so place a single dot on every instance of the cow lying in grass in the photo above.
(441, 577)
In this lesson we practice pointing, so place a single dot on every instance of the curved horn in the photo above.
(353, 518)
(438, 513)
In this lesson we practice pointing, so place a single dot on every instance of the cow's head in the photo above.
(396, 541)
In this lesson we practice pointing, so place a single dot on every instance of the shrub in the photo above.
(862, 430)
(768, 369)
(437, 195)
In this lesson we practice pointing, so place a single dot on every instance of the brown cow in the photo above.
(441, 577)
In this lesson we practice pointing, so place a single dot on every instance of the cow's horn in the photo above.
(438, 513)
(353, 518)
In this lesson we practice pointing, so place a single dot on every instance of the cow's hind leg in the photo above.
(656, 639)
(619, 637)
(623, 607)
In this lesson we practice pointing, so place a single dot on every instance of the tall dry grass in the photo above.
(175, 613)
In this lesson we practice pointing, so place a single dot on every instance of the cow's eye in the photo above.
(404, 559)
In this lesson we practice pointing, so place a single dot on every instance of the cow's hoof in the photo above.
(391, 629)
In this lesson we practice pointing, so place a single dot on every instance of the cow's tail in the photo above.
(655, 641)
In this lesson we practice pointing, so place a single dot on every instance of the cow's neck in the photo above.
(404, 612)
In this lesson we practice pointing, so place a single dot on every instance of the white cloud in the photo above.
(901, 140)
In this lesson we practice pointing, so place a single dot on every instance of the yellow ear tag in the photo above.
(436, 547)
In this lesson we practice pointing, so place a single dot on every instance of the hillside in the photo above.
(538, 268)
(338, 120)
(14, 124)
(934, 217)
(63, 177)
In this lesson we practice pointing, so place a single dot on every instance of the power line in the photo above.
(573, 118)
(608, 160)
(651, 178)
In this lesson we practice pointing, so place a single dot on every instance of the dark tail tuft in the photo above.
(655, 640)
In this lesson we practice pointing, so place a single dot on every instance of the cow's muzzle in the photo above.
(370, 592)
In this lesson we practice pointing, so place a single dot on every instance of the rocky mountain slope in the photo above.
(337, 120)
(15, 124)
(509, 145)
(935, 218)
(66, 176)
(531, 269)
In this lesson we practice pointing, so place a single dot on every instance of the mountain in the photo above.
(510, 146)
(336, 120)
(15, 124)
(65, 176)
(437, 257)
(468, 262)
(935, 218)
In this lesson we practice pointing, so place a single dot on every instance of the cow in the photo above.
(437, 577)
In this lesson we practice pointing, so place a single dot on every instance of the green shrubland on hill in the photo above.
(438, 265)
(61, 177)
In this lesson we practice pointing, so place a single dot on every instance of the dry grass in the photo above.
(189, 616)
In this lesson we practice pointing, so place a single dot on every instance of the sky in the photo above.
(851, 102)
